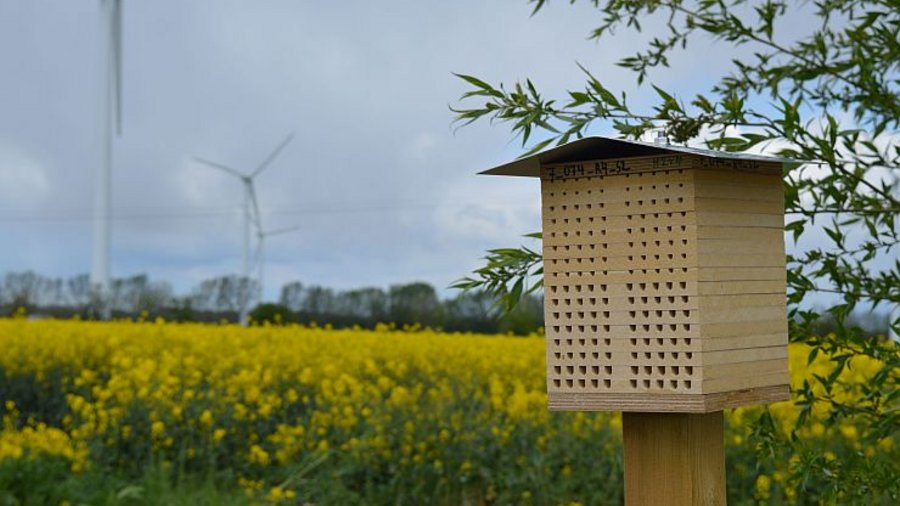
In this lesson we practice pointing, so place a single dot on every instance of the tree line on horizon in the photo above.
(220, 298)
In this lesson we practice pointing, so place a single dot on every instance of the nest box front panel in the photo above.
(662, 293)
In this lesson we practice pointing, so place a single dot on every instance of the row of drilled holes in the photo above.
(648, 370)
(589, 288)
(572, 355)
(583, 369)
(659, 327)
(656, 285)
(636, 370)
(575, 288)
(667, 228)
(582, 341)
(602, 205)
(583, 315)
(567, 261)
(582, 383)
(627, 188)
(592, 273)
(595, 383)
(673, 384)
(653, 202)
(631, 244)
(671, 299)
(646, 313)
(660, 341)
(604, 301)
(592, 301)
(631, 314)
(628, 230)
(629, 217)
(688, 355)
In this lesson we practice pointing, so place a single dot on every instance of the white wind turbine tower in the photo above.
(260, 251)
(110, 113)
(251, 208)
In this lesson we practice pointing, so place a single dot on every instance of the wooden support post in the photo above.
(674, 459)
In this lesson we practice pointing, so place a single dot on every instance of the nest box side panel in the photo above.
(741, 282)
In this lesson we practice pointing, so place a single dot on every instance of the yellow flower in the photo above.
(259, 456)
(157, 429)
(763, 486)
(849, 432)
(206, 419)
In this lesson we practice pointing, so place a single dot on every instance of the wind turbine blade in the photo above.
(251, 191)
(219, 166)
(117, 61)
(280, 231)
(271, 157)
(257, 255)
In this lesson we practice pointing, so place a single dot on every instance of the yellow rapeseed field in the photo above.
(297, 413)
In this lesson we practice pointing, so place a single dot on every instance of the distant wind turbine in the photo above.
(260, 253)
(251, 207)
(110, 112)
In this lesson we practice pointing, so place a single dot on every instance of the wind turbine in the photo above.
(260, 258)
(110, 113)
(251, 206)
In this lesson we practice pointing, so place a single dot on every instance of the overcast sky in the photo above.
(383, 189)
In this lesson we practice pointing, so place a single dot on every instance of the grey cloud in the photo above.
(383, 189)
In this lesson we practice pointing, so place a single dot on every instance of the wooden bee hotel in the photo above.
(664, 281)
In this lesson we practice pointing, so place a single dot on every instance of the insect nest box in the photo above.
(664, 276)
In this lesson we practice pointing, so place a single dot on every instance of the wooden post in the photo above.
(674, 459)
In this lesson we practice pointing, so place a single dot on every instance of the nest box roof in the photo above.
(599, 148)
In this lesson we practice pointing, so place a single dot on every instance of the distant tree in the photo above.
(275, 314)
(136, 294)
(414, 303)
(472, 311)
(52, 293)
(155, 297)
(292, 295)
(78, 293)
(318, 300)
(22, 289)
(369, 305)
(224, 293)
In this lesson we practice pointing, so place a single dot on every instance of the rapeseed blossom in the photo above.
(439, 410)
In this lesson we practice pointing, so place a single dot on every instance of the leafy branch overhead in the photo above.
(829, 99)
